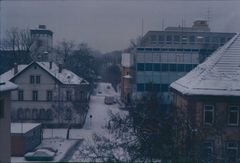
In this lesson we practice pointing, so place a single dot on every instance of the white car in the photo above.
(40, 155)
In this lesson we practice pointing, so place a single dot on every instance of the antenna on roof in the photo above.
(163, 24)
(208, 16)
(142, 26)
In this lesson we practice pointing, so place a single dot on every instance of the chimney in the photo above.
(60, 67)
(50, 65)
(15, 68)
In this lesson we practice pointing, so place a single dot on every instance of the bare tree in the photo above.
(64, 49)
(19, 42)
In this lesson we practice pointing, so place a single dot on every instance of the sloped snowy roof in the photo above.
(219, 75)
(23, 127)
(65, 77)
(7, 86)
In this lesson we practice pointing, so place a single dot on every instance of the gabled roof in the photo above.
(65, 77)
(219, 75)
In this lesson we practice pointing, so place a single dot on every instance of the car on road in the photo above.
(40, 155)
(109, 100)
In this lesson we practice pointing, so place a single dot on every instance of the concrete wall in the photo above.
(5, 129)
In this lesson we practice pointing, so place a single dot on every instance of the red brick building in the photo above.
(207, 105)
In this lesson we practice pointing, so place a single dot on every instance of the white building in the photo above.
(47, 93)
(165, 56)
(5, 105)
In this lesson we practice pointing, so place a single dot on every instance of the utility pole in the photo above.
(142, 26)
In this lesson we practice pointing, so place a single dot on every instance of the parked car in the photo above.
(109, 100)
(40, 155)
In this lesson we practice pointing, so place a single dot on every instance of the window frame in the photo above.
(38, 79)
(228, 115)
(20, 95)
(204, 114)
(34, 95)
(68, 95)
(32, 79)
(49, 95)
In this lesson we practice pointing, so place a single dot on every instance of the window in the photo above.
(233, 116)
(176, 39)
(173, 67)
(192, 39)
(160, 39)
(188, 67)
(35, 95)
(169, 39)
(140, 87)
(69, 96)
(156, 67)
(153, 39)
(49, 95)
(207, 39)
(81, 95)
(180, 67)
(231, 151)
(148, 66)
(140, 67)
(164, 87)
(1, 109)
(208, 114)
(38, 79)
(32, 79)
(207, 150)
(149, 86)
(164, 67)
(184, 39)
(20, 95)
(156, 87)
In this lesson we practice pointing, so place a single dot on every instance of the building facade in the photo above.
(165, 56)
(48, 94)
(42, 43)
(206, 103)
(5, 121)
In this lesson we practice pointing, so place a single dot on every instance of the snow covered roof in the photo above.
(127, 76)
(17, 128)
(219, 75)
(7, 86)
(65, 76)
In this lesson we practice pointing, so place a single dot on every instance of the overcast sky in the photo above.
(108, 25)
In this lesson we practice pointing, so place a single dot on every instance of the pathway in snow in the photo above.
(99, 113)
